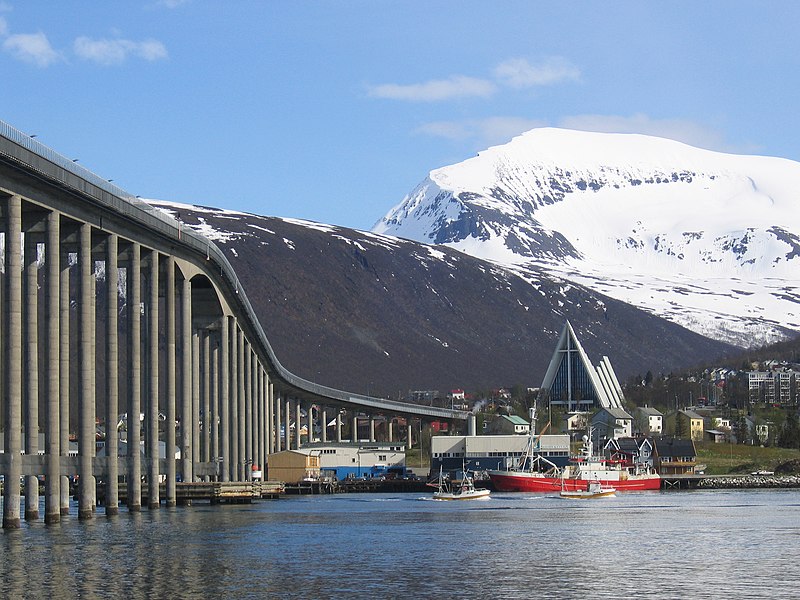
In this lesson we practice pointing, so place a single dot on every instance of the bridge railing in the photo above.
(32, 154)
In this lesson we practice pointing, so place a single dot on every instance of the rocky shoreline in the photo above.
(749, 481)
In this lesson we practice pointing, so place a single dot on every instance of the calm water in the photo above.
(702, 544)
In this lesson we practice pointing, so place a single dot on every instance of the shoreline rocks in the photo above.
(749, 481)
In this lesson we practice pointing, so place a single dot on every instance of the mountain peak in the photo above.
(650, 221)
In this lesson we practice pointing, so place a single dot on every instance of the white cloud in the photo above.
(456, 86)
(682, 130)
(483, 132)
(113, 52)
(519, 73)
(172, 3)
(32, 48)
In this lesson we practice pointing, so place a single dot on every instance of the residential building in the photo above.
(612, 423)
(649, 421)
(690, 424)
(673, 456)
(577, 421)
(772, 387)
(423, 396)
(630, 450)
(508, 424)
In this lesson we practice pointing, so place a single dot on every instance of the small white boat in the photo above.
(594, 489)
(463, 489)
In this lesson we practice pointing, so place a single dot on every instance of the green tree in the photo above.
(648, 379)
(680, 426)
(741, 431)
(789, 437)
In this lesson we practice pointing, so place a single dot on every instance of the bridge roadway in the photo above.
(111, 308)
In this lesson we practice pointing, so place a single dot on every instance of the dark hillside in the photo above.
(379, 315)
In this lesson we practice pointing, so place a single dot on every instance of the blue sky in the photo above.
(333, 111)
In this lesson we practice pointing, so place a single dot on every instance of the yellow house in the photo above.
(691, 424)
(289, 466)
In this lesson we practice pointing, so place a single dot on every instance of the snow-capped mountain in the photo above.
(708, 240)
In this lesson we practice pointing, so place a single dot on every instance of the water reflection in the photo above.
(677, 544)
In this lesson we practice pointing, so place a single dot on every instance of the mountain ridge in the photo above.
(708, 240)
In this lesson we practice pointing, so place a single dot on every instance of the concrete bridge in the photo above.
(111, 308)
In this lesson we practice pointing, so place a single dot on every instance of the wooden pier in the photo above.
(215, 492)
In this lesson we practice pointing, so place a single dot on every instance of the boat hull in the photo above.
(510, 481)
(473, 495)
(584, 495)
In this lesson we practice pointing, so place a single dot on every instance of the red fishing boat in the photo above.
(534, 473)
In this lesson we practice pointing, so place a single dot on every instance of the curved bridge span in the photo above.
(112, 310)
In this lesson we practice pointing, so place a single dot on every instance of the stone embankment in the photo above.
(750, 481)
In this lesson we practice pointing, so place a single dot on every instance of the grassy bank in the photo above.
(724, 459)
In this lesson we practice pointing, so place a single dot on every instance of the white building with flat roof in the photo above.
(485, 452)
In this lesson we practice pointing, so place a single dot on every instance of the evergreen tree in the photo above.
(648, 379)
(789, 436)
(740, 430)
(680, 426)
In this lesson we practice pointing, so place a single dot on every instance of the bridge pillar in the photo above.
(354, 435)
(86, 405)
(311, 422)
(190, 385)
(13, 362)
(195, 388)
(241, 415)
(171, 382)
(297, 423)
(65, 356)
(212, 422)
(112, 375)
(249, 414)
(371, 428)
(204, 366)
(52, 510)
(133, 282)
(152, 446)
(471, 425)
(339, 426)
(278, 401)
(31, 375)
(323, 414)
(224, 387)
(270, 420)
(235, 414)
(389, 429)
(266, 420)
(408, 433)
(287, 434)
(261, 436)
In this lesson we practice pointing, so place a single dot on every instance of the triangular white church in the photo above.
(573, 382)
